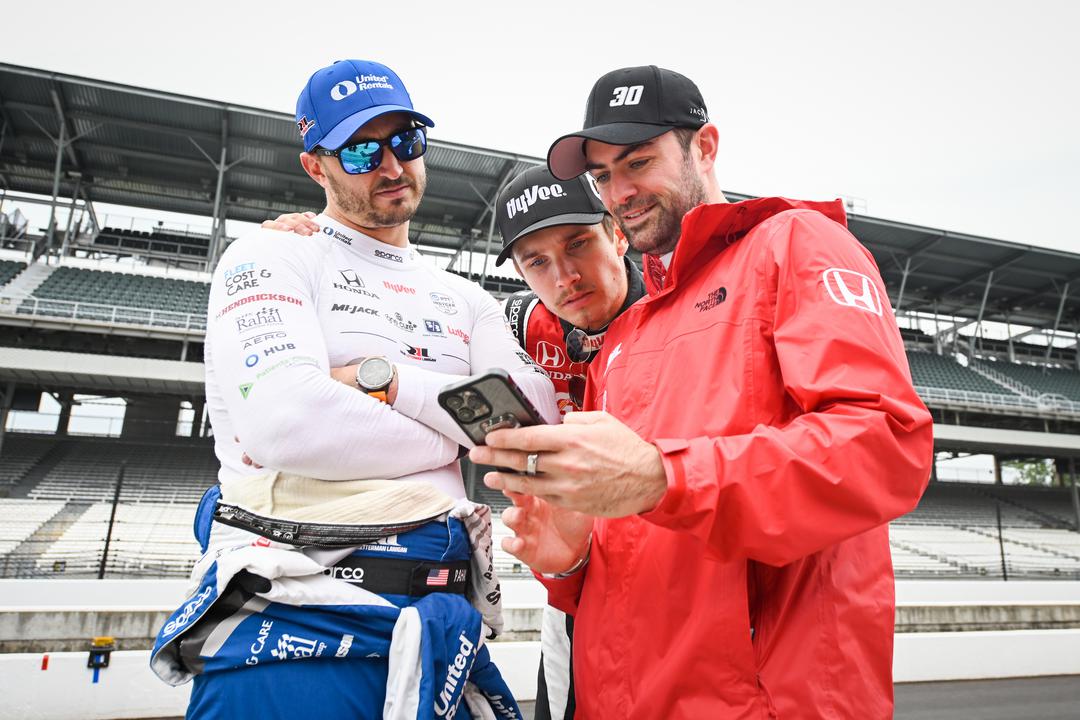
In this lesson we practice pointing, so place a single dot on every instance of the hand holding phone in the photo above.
(488, 401)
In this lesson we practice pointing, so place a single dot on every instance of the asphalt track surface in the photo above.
(1045, 698)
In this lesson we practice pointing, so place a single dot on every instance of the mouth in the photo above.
(576, 300)
(636, 216)
(394, 192)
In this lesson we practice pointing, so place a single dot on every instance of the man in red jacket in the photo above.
(718, 526)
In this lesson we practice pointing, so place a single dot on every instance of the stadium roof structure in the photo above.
(112, 143)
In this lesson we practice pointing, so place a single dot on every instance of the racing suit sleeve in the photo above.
(288, 413)
(491, 345)
(858, 456)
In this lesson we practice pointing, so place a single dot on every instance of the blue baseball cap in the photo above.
(341, 98)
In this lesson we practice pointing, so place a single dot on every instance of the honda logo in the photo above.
(852, 289)
(550, 355)
(351, 277)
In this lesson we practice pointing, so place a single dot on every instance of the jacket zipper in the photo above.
(768, 698)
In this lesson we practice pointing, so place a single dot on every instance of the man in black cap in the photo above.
(719, 527)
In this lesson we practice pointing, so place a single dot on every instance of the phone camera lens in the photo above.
(453, 402)
(465, 414)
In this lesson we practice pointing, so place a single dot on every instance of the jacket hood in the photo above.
(725, 223)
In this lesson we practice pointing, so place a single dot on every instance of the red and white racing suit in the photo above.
(768, 369)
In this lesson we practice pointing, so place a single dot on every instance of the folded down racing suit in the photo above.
(275, 631)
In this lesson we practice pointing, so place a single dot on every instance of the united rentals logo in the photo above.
(339, 236)
(711, 300)
(527, 199)
(446, 704)
(852, 289)
(345, 88)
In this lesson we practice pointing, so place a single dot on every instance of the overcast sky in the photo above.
(958, 115)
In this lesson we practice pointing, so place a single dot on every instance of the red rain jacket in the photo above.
(768, 368)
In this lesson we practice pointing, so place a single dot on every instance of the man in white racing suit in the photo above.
(324, 358)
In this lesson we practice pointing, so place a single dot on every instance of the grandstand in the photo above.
(92, 306)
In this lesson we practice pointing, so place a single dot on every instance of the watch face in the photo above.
(375, 373)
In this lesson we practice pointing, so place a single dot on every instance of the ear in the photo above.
(312, 165)
(707, 142)
(621, 243)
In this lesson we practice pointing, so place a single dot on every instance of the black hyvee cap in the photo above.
(629, 106)
(535, 200)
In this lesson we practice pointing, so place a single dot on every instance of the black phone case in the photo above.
(495, 401)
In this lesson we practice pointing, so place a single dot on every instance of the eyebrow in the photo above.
(621, 156)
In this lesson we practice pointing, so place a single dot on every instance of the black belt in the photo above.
(397, 576)
(302, 534)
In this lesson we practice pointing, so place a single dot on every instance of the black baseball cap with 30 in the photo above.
(629, 106)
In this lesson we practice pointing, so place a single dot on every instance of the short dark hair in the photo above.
(685, 136)
(609, 225)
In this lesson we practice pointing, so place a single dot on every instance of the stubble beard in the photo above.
(357, 205)
(661, 235)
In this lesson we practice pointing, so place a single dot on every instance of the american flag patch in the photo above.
(438, 577)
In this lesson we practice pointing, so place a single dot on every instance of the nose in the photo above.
(390, 167)
(617, 191)
(566, 272)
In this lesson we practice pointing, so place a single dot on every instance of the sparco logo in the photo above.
(455, 675)
(350, 574)
(345, 88)
(189, 610)
(550, 355)
(527, 199)
(853, 289)
(388, 256)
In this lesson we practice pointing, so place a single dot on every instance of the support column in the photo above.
(1057, 321)
(67, 399)
(5, 408)
(997, 471)
(197, 408)
(51, 232)
(903, 284)
(1075, 492)
(982, 308)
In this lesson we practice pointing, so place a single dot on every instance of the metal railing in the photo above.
(995, 401)
(30, 306)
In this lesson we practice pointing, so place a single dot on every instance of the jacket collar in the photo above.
(724, 223)
(592, 340)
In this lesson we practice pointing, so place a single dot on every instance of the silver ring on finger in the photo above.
(530, 463)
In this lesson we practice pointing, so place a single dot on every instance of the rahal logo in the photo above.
(304, 125)
(294, 647)
(259, 318)
(852, 289)
(416, 353)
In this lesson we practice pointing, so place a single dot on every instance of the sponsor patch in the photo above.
(711, 300)
(443, 303)
(852, 289)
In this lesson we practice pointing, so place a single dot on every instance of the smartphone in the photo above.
(486, 402)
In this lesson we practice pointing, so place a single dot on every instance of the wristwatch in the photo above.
(374, 376)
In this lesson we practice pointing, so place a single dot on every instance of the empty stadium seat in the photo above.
(9, 269)
(930, 370)
(107, 289)
(1056, 381)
